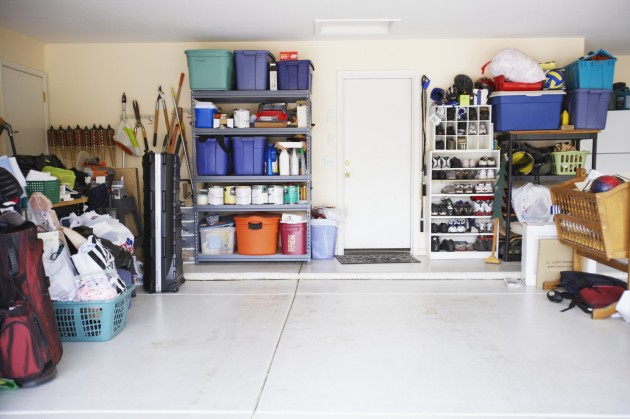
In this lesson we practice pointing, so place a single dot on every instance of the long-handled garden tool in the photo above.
(495, 237)
(136, 112)
(166, 137)
(124, 137)
(179, 123)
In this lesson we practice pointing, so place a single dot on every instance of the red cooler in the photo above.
(293, 238)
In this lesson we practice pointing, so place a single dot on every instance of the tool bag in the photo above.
(589, 291)
(30, 344)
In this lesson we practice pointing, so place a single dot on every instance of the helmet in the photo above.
(464, 84)
(522, 162)
(604, 183)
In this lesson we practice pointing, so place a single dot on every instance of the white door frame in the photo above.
(27, 70)
(416, 191)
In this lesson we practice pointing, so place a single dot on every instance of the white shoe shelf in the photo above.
(456, 195)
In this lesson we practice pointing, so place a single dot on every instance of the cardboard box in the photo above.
(288, 55)
(553, 258)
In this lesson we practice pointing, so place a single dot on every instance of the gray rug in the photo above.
(368, 258)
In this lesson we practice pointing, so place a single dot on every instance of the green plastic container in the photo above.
(210, 69)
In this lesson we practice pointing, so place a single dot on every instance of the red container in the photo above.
(293, 238)
(501, 84)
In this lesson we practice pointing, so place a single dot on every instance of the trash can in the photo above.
(323, 238)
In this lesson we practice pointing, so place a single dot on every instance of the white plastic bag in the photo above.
(104, 285)
(61, 272)
(106, 227)
(515, 65)
(92, 256)
(532, 203)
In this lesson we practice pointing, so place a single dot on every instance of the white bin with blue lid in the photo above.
(323, 238)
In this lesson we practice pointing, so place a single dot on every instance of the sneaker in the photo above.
(472, 163)
(436, 162)
(472, 129)
(450, 175)
(479, 188)
(450, 209)
(449, 189)
(465, 163)
(489, 188)
(491, 162)
(434, 209)
(459, 188)
(452, 228)
(468, 188)
(443, 228)
(469, 247)
(481, 174)
(477, 209)
(483, 128)
(490, 174)
(480, 244)
(441, 209)
(460, 246)
(445, 162)
(469, 174)
(461, 226)
(483, 162)
(468, 208)
(434, 228)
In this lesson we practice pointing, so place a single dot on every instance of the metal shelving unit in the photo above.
(304, 134)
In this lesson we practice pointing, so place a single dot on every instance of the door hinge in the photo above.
(44, 95)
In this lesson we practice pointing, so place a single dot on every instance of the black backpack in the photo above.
(587, 291)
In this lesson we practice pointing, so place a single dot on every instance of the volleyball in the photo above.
(554, 79)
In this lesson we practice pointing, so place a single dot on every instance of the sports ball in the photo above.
(604, 183)
(554, 79)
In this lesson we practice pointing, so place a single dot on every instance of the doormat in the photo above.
(367, 258)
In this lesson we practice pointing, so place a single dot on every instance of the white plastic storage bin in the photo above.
(217, 240)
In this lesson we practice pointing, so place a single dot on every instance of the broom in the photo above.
(495, 236)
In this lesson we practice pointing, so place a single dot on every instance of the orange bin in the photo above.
(257, 234)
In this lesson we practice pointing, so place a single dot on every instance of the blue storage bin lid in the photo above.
(590, 55)
(255, 52)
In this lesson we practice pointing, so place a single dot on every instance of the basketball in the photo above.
(604, 183)
(554, 79)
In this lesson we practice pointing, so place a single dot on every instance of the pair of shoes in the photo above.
(456, 163)
(472, 129)
(485, 174)
(480, 244)
(483, 128)
(447, 245)
(484, 188)
(440, 162)
(449, 189)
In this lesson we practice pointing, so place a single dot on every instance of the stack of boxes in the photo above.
(589, 83)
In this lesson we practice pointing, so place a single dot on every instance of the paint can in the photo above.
(276, 194)
(229, 195)
(243, 195)
(215, 195)
(202, 197)
(241, 118)
(260, 195)
(291, 194)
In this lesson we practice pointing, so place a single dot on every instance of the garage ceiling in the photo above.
(603, 23)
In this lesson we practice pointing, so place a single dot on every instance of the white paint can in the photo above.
(276, 194)
(260, 194)
(241, 118)
(215, 195)
(243, 195)
(229, 195)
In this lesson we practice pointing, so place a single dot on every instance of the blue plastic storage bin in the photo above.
(295, 75)
(588, 108)
(249, 155)
(323, 238)
(587, 73)
(526, 110)
(210, 69)
(212, 159)
(252, 69)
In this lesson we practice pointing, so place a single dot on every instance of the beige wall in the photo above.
(86, 81)
(21, 50)
(622, 69)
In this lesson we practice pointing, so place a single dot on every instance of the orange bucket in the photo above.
(257, 234)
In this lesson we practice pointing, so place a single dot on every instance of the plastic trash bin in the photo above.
(323, 238)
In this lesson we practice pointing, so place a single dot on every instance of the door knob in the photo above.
(347, 162)
(347, 174)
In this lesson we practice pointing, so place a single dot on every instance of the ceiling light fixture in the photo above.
(354, 26)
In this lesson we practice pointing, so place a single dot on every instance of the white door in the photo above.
(24, 107)
(378, 155)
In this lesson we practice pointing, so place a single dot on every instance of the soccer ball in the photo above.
(605, 183)
(554, 79)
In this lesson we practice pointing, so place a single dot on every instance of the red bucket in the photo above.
(293, 238)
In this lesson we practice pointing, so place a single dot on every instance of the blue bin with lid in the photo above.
(295, 74)
(252, 69)
(526, 110)
(248, 155)
(213, 156)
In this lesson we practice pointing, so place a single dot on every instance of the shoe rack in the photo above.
(461, 183)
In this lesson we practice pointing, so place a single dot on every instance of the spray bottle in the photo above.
(294, 163)
(284, 162)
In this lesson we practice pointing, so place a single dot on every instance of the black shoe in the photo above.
(450, 245)
(434, 228)
(434, 209)
(435, 244)
(472, 114)
(443, 228)
(450, 114)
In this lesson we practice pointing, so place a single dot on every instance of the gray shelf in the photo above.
(249, 97)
